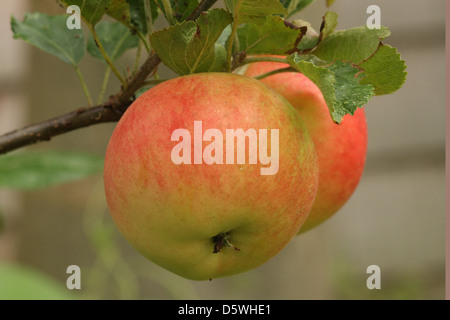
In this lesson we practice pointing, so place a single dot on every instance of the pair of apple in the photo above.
(208, 217)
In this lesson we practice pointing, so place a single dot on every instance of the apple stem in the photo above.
(273, 72)
(222, 240)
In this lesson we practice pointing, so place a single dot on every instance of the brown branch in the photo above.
(202, 6)
(136, 81)
(45, 130)
(110, 111)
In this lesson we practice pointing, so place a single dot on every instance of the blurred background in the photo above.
(395, 219)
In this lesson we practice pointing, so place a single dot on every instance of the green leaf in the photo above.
(350, 94)
(338, 83)
(141, 91)
(120, 11)
(330, 21)
(295, 6)
(273, 37)
(220, 62)
(116, 39)
(329, 2)
(132, 13)
(353, 45)
(190, 47)
(223, 39)
(254, 10)
(22, 283)
(180, 9)
(92, 11)
(321, 76)
(39, 170)
(50, 34)
(385, 70)
(142, 14)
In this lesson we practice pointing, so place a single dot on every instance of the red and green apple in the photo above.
(183, 183)
(341, 148)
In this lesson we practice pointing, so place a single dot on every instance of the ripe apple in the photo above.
(341, 148)
(191, 203)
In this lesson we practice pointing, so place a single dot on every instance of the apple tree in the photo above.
(349, 66)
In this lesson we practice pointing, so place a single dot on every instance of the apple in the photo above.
(341, 148)
(211, 174)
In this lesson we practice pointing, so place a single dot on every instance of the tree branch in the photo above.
(45, 130)
(110, 111)
(202, 6)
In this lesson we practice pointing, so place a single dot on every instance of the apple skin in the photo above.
(172, 213)
(341, 148)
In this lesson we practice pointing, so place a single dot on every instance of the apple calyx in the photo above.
(222, 240)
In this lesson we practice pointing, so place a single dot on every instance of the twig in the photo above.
(44, 131)
(106, 57)
(104, 84)
(85, 88)
(263, 58)
(233, 34)
(169, 12)
(273, 72)
(202, 6)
